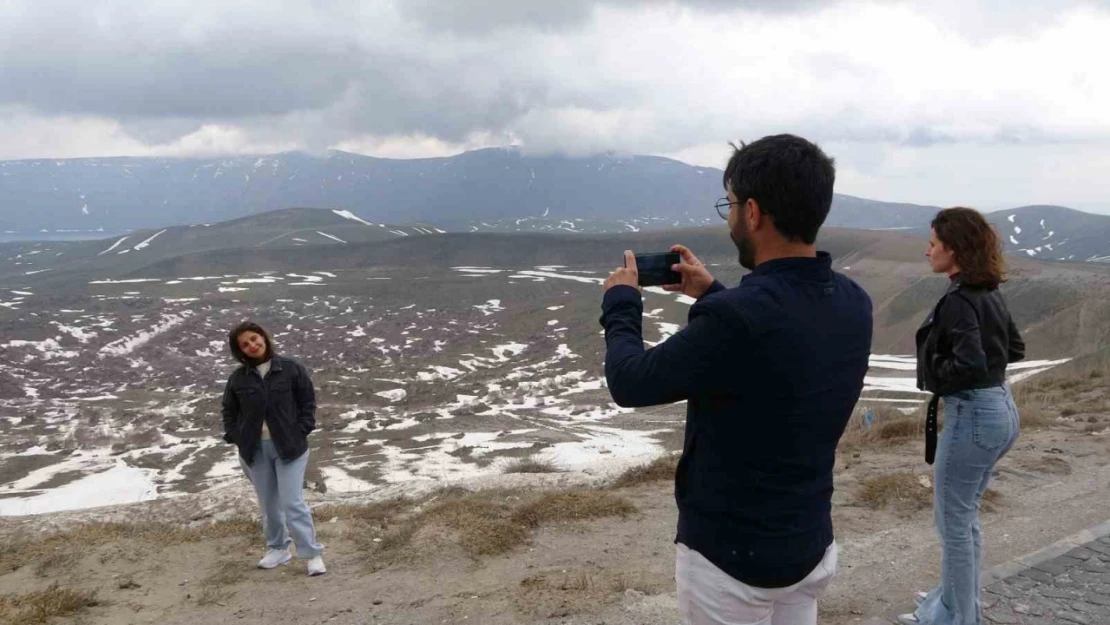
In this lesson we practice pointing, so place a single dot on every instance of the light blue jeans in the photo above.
(980, 426)
(279, 487)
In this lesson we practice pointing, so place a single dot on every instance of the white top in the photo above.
(264, 369)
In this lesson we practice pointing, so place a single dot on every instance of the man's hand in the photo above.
(627, 275)
(696, 279)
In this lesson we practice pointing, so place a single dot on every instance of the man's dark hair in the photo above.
(790, 178)
(237, 352)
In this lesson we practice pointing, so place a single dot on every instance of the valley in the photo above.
(457, 371)
(437, 357)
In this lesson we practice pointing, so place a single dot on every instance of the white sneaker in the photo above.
(316, 566)
(275, 558)
(907, 619)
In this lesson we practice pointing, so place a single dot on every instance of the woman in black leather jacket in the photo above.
(962, 352)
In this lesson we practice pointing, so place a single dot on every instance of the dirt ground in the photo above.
(609, 570)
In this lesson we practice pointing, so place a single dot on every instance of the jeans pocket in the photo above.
(991, 427)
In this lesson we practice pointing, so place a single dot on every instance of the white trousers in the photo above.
(709, 596)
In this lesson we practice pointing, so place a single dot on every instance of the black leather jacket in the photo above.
(967, 341)
(285, 399)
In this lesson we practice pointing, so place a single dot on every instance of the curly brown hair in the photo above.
(975, 243)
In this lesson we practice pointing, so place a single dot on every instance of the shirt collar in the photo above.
(275, 364)
(812, 268)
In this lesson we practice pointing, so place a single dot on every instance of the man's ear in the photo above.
(754, 214)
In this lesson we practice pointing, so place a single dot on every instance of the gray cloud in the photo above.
(483, 16)
(316, 75)
(161, 73)
(114, 62)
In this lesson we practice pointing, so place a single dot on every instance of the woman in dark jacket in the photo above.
(963, 349)
(269, 408)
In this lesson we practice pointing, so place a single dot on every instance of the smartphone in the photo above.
(655, 269)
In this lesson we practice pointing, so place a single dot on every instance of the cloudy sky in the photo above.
(938, 102)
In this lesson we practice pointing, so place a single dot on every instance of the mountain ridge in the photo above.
(493, 189)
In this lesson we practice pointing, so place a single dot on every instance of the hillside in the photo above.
(290, 229)
(1055, 233)
(441, 360)
(1063, 306)
(491, 190)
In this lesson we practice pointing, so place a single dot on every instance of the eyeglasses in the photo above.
(723, 206)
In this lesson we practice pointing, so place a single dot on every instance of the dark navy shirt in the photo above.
(771, 371)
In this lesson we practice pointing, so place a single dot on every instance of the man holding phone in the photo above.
(771, 371)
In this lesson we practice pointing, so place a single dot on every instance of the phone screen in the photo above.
(655, 269)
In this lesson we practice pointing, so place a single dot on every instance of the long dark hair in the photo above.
(975, 243)
(237, 352)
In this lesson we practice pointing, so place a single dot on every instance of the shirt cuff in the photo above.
(714, 288)
(621, 294)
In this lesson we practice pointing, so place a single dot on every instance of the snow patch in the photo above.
(339, 481)
(78, 333)
(125, 346)
(490, 307)
(438, 373)
(394, 395)
(146, 243)
(49, 348)
(119, 484)
(346, 214)
(114, 246)
(333, 238)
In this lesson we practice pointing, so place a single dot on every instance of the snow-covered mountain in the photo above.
(496, 186)
(491, 190)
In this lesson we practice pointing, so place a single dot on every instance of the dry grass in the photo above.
(901, 429)
(485, 526)
(889, 427)
(1051, 401)
(1035, 417)
(379, 511)
(41, 606)
(216, 588)
(214, 595)
(992, 499)
(63, 557)
(576, 591)
(1050, 465)
(485, 523)
(64, 549)
(572, 505)
(659, 470)
(906, 493)
(901, 491)
(228, 573)
(531, 465)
